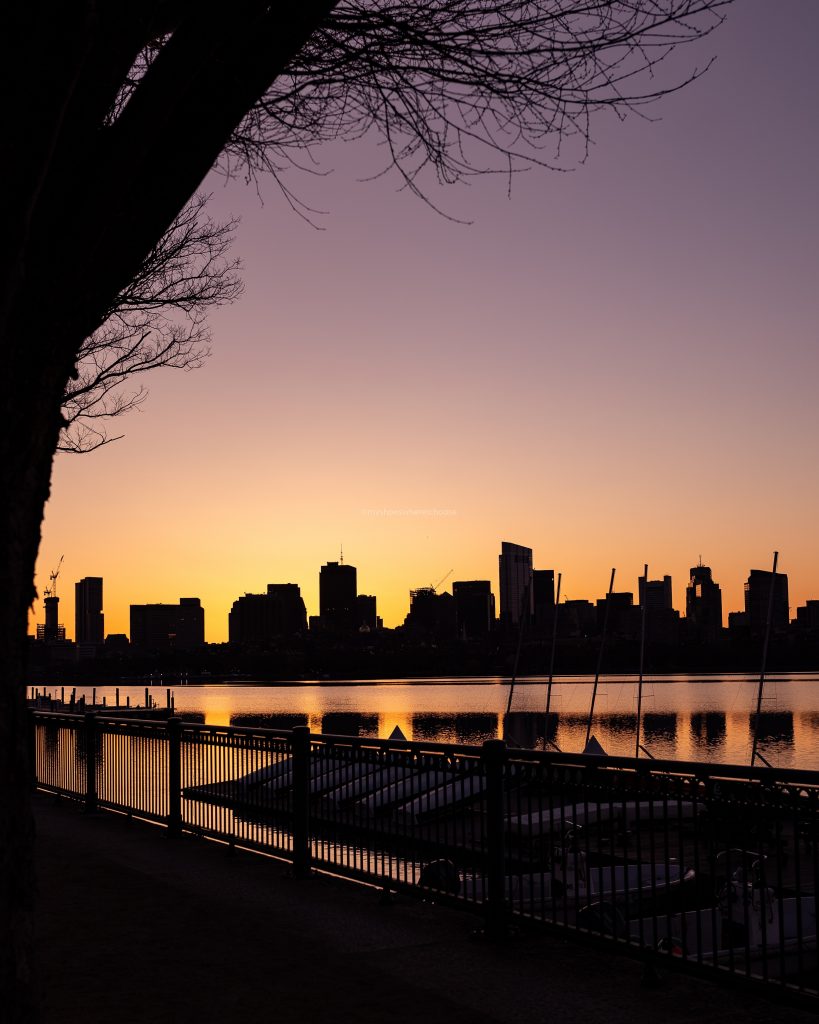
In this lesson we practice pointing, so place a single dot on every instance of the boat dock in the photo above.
(67, 702)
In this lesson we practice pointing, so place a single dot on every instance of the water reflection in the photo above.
(619, 724)
(773, 725)
(708, 728)
(520, 728)
(349, 723)
(432, 727)
(659, 727)
(269, 721)
(685, 717)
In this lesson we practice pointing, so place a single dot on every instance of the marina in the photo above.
(679, 856)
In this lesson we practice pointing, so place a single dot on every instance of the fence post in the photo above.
(32, 747)
(301, 801)
(494, 759)
(90, 720)
(173, 729)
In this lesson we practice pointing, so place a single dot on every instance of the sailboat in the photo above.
(755, 754)
(546, 741)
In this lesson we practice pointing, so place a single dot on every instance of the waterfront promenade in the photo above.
(136, 927)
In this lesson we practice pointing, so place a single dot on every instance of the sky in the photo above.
(613, 366)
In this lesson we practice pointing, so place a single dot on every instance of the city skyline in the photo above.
(616, 366)
(216, 631)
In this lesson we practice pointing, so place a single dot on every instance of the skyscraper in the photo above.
(366, 612)
(474, 608)
(263, 618)
(516, 593)
(543, 599)
(159, 626)
(662, 621)
(89, 621)
(338, 588)
(703, 605)
(655, 594)
(757, 592)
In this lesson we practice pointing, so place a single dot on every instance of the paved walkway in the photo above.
(136, 927)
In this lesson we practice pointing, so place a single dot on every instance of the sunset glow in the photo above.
(615, 366)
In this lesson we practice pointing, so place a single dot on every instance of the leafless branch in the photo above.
(157, 321)
(452, 88)
(461, 87)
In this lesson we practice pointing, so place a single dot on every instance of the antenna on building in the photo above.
(341, 556)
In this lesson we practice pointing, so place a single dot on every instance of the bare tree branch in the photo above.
(157, 321)
(462, 87)
(453, 88)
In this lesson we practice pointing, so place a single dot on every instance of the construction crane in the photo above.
(443, 579)
(52, 590)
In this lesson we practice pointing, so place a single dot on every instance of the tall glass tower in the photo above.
(515, 571)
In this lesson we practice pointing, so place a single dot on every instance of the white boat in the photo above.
(626, 814)
(752, 930)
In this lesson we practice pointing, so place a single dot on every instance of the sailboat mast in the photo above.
(524, 613)
(552, 656)
(642, 658)
(764, 660)
(599, 658)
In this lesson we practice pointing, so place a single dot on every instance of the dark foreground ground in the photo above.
(136, 927)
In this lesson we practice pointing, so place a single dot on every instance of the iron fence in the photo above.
(709, 867)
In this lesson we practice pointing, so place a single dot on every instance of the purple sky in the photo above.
(616, 365)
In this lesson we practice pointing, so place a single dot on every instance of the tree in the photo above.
(115, 113)
(157, 320)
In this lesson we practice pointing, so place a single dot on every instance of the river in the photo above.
(685, 717)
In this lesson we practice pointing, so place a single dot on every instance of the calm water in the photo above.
(704, 718)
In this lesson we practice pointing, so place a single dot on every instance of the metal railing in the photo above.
(708, 867)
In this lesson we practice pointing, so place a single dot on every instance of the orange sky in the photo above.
(614, 366)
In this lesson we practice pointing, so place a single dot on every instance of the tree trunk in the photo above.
(31, 417)
(83, 205)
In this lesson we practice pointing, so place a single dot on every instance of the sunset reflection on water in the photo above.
(684, 717)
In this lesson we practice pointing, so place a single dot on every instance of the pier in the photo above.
(67, 702)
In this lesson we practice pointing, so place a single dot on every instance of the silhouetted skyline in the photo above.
(467, 612)
(617, 365)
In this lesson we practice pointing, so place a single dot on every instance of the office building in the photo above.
(703, 605)
(366, 613)
(576, 619)
(757, 593)
(662, 622)
(516, 593)
(158, 626)
(52, 630)
(89, 620)
(655, 595)
(338, 589)
(807, 619)
(543, 599)
(474, 608)
(431, 615)
(623, 616)
(263, 618)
